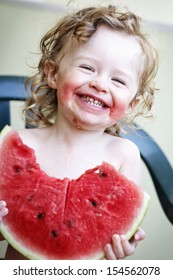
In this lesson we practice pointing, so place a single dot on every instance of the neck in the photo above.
(73, 136)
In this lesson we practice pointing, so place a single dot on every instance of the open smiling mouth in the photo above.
(93, 102)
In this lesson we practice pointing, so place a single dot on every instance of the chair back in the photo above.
(158, 166)
(11, 88)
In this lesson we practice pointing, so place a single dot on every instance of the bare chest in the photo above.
(73, 163)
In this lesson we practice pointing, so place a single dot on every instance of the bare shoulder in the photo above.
(130, 149)
(126, 147)
(33, 136)
(131, 164)
(27, 133)
(129, 158)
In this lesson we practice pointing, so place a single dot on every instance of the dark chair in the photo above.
(12, 88)
(158, 166)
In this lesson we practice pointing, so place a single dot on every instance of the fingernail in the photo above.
(2, 203)
(115, 237)
(123, 237)
(137, 237)
(107, 247)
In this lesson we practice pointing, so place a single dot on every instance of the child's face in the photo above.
(97, 81)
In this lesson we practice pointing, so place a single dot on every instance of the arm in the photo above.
(131, 163)
(121, 247)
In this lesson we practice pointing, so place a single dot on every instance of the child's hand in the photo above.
(121, 247)
(3, 209)
(3, 212)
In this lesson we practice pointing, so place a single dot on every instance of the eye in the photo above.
(119, 81)
(87, 67)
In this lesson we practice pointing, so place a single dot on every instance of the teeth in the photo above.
(92, 101)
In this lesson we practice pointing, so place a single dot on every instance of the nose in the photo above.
(99, 86)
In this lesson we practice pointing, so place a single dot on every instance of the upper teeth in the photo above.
(93, 101)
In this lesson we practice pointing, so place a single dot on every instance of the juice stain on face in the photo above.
(118, 112)
(76, 123)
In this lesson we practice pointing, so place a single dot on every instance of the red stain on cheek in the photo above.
(63, 98)
(64, 94)
(118, 112)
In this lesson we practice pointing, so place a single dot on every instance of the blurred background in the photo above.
(22, 25)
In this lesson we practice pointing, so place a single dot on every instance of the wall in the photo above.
(21, 29)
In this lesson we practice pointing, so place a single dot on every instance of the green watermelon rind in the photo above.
(28, 253)
(141, 216)
(36, 256)
(4, 132)
(8, 235)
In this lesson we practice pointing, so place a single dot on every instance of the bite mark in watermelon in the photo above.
(51, 218)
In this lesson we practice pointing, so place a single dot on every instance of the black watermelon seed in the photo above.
(54, 233)
(102, 174)
(94, 203)
(41, 216)
(17, 168)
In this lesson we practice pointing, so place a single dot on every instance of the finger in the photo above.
(109, 253)
(117, 247)
(2, 204)
(3, 212)
(139, 235)
(128, 246)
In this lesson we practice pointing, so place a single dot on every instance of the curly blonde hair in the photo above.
(41, 106)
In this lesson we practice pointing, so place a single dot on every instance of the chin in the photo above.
(88, 126)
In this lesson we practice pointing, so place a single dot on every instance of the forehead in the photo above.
(103, 36)
(111, 46)
(107, 39)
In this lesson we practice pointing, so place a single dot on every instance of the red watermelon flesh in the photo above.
(51, 218)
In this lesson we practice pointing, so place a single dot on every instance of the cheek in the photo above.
(66, 87)
(118, 111)
(64, 93)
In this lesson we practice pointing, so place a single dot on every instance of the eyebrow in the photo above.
(86, 57)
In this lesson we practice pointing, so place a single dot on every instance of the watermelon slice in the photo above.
(51, 218)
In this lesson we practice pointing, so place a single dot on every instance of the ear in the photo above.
(50, 71)
(134, 103)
